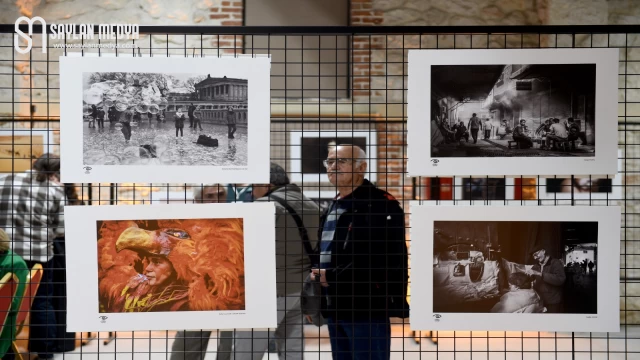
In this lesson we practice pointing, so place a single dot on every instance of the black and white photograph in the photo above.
(166, 119)
(536, 269)
(597, 188)
(310, 148)
(512, 106)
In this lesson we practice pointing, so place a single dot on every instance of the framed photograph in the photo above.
(512, 112)
(597, 188)
(516, 268)
(484, 190)
(164, 119)
(593, 187)
(310, 148)
(188, 266)
(21, 147)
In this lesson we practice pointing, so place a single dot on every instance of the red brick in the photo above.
(361, 13)
(237, 3)
(360, 52)
(360, 93)
(360, 6)
(232, 10)
(215, 9)
(237, 16)
(361, 80)
(226, 3)
(219, 16)
(232, 23)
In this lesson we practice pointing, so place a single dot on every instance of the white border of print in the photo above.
(256, 70)
(49, 146)
(608, 316)
(82, 268)
(295, 142)
(421, 163)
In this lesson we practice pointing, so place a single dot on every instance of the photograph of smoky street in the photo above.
(537, 110)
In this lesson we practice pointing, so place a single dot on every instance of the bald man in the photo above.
(363, 260)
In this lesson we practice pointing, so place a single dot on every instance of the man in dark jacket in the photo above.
(549, 279)
(231, 122)
(363, 260)
(190, 112)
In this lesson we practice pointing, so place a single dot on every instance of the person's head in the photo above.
(474, 114)
(519, 281)
(570, 120)
(158, 270)
(346, 165)
(5, 242)
(209, 193)
(539, 254)
(523, 121)
(278, 177)
(47, 167)
(556, 120)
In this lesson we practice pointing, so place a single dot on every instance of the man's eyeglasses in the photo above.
(331, 162)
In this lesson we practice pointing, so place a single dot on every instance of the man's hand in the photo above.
(534, 273)
(323, 276)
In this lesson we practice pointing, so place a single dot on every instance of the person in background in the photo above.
(549, 278)
(125, 120)
(11, 263)
(192, 344)
(520, 298)
(487, 129)
(231, 122)
(292, 266)
(521, 135)
(363, 260)
(474, 126)
(575, 132)
(190, 112)
(178, 120)
(558, 133)
(31, 212)
(100, 117)
(197, 116)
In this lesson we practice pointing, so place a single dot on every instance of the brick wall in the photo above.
(228, 13)
(369, 86)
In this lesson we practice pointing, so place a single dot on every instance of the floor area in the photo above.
(156, 345)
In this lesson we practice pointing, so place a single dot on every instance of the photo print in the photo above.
(310, 148)
(153, 265)
(187, 266)
(512, 112)
(532, 268)
(19, 148)
(150, 122)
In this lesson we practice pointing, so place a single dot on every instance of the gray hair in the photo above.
(198, 189)
(278, 176)
(360, 156)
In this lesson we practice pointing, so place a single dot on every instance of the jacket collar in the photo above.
(361, 192)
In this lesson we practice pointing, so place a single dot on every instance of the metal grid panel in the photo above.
(29, 98)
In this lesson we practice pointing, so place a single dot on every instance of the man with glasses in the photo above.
(363, 260)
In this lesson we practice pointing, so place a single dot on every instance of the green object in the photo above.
(10, 262)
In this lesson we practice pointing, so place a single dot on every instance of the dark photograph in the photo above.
(537, 110)
(483, 189)
(515, 267)
(316, 149)
(579, 185)
(164, 119)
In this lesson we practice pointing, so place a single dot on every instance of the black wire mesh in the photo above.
(365, 92)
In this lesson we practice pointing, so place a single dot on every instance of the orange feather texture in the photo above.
(211, 263)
